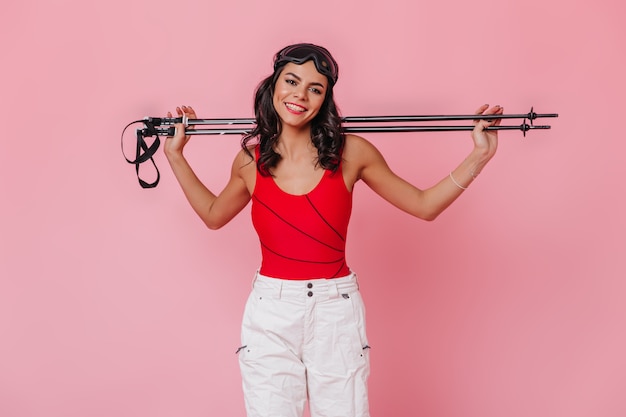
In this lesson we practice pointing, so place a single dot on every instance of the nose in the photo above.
(301, 92)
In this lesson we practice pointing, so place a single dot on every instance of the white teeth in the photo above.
(293, 107)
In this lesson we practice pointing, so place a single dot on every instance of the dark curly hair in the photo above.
(326, 130)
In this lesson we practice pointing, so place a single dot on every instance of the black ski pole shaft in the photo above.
(357, 129)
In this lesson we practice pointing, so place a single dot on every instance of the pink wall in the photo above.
(114, 301)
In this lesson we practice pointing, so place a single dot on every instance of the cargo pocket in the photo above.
(249, 329)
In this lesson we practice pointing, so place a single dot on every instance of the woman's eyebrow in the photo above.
(294, 75)
(300, 79)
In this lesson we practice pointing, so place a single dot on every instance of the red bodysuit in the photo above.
(302, 236)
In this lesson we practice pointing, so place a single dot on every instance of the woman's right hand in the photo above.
(174, 145)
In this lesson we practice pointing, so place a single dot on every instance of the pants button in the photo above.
(310, 294)
(309, 285)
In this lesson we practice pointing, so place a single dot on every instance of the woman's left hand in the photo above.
(175, 144)
(486, 141)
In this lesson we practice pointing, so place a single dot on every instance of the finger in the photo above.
(495, 109)
(189, 112)
(482, 125)
(499, 111)
(480, 110)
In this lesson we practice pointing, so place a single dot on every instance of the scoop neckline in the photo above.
(304, 194)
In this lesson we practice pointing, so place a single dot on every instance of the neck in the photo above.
(295, 143)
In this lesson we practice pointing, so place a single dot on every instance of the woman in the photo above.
(303, 332)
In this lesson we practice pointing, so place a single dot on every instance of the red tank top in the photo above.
(302, 236)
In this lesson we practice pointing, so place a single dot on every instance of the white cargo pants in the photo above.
(305, 340)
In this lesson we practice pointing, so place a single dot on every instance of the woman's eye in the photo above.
(315, 91)
(292, 82)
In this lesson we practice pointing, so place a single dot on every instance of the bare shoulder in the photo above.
(358, 155)
(245, 158)
(244, 167)
(360, 151)
(356, 142)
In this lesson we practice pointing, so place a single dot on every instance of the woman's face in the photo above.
(299, 94)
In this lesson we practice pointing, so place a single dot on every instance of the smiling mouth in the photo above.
(294, 108)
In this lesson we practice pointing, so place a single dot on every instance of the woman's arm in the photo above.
(214, 210)
(425, 204)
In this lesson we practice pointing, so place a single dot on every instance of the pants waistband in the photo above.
(309, 288)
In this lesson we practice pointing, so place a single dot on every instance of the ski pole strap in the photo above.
(143, 153)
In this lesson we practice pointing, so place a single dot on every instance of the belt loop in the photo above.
(256, 274)
(356, 280)
(333, 289)
(280, 289)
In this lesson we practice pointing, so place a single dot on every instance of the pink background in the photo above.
(115, 301)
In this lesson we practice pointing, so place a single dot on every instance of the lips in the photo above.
(294, 108)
